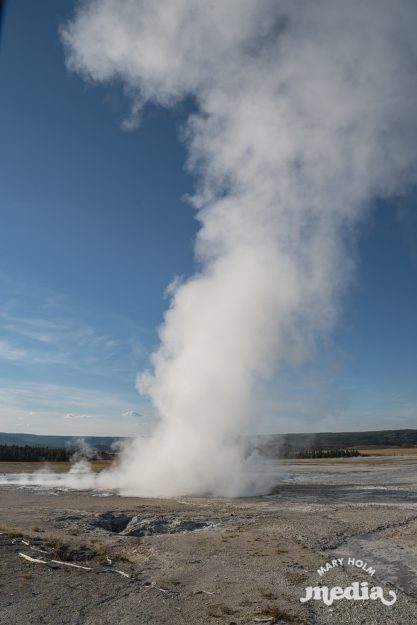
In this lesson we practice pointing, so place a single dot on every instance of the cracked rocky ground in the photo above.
(199, 560)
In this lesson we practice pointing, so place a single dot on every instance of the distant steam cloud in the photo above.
(70, 415)
(131, 413)
(306, 112)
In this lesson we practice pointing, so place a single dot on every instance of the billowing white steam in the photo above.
(306, 112)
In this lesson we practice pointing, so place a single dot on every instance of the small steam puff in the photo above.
(305, 114)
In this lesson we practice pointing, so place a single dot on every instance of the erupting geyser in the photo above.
(304, 113)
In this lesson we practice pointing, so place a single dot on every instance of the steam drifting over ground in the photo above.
(305, 114)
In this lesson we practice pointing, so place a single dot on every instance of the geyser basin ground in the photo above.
(200, 560)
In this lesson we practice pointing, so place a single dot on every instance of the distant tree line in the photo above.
(289, 445)
(387, 438)
(322, 453)
(29, 453)
(319, 452)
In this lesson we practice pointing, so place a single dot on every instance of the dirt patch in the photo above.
(211, 561)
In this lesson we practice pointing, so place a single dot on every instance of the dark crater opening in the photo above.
(114, 523)
(126, 525)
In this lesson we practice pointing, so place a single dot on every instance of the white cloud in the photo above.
(69, 415)
(131, 413)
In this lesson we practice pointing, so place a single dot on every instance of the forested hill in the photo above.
(278, 445)
(27, 453)
(55, 442)
(270, 444)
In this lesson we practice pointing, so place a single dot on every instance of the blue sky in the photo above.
(95, 225)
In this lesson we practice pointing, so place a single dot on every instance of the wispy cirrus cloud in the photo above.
(11, 353)
(67, 341)
(62, 373)
(38, 327)
(54, 408)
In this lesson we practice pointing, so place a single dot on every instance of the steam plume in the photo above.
(306, 112)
